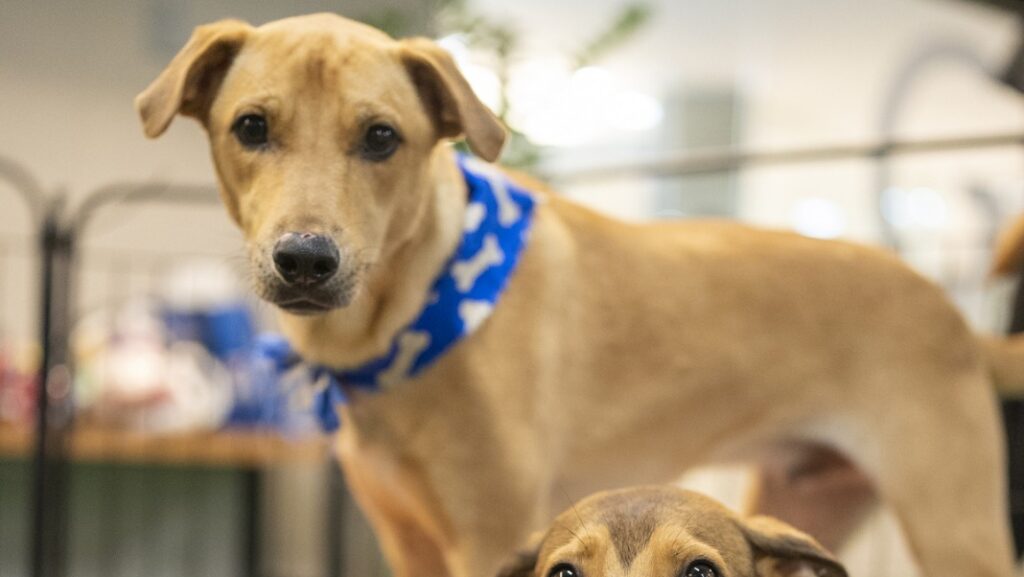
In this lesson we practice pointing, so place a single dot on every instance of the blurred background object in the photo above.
(894, 122)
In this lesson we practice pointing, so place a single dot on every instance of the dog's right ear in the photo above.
(190, 81)
(522, 565)
(782, 551)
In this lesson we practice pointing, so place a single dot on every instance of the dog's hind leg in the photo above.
(938, 464)
(815, 489)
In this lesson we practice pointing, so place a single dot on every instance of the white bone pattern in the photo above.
(474, 313)
(508, 210)
(466, 272)
(410, 345)
(475, 213)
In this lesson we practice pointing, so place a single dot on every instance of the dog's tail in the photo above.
(1005, 359)
(1005, 355)
(1008, 255)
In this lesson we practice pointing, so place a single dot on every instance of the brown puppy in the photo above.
(619, 354)
(663, 531)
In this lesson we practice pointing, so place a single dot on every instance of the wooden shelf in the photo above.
(230, 448)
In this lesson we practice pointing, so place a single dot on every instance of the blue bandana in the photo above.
(497, 222)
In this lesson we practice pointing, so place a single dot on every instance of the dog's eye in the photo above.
(701, 569)
(380, 142)
(563, 570)
(251, 130)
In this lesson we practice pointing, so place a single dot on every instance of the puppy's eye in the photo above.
(564, 570)
(251, 130)
(701, 569)
(380, 142)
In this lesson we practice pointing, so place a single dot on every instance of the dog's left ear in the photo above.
(450, 100)
(782, 551)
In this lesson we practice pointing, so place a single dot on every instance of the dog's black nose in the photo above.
(305, 259)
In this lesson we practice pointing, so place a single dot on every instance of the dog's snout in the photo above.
(305, 259)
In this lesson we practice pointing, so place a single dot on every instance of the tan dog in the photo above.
(619, 354)
(663, 531)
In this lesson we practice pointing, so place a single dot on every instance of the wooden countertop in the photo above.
(227, 448)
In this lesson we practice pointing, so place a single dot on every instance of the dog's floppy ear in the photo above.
(189, 82)
(782, 551)
(449, 98)
(522, 565)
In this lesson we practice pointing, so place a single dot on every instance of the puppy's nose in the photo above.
(305, 259)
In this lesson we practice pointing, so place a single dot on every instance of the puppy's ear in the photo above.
(450, 100)
(782, 551)
(191, 80)
(522, 565)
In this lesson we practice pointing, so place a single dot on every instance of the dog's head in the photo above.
(323, 133)
(669, 532)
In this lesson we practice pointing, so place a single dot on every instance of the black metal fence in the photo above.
(76, 499)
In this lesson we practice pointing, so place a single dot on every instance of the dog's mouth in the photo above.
(307, 301)
(304, 307)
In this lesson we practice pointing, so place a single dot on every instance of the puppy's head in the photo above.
(669, 532)
(323, 132)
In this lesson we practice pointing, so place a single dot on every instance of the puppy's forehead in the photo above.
(656, 504)
(634, 517)
(631, 521)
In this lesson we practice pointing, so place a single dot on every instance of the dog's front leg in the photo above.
(411, 536)
(494, 519)
(452, 513)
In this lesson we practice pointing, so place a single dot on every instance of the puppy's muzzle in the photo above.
(305, 260)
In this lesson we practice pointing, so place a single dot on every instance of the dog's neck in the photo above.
(397, 286)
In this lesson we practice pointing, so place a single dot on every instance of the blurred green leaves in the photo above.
(500, 41)
(630, 20)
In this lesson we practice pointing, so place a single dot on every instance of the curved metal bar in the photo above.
(23, 183)
(134, 193)
(938, 51)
